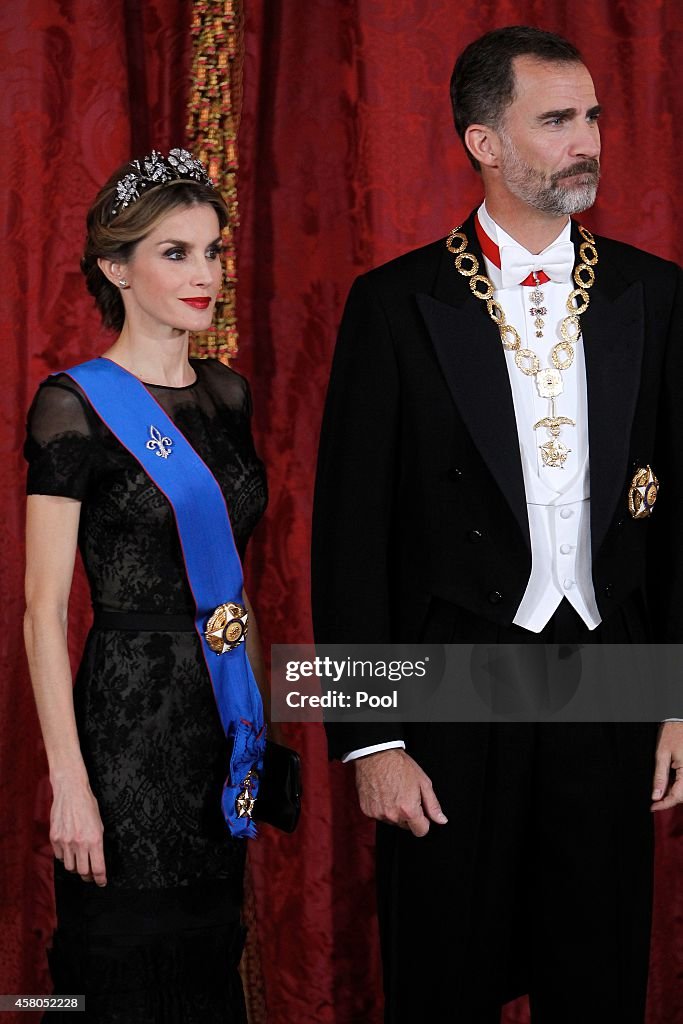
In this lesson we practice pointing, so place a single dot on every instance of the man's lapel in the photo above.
(613, 329)
(468, 347)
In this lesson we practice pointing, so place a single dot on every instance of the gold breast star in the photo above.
(642, 494)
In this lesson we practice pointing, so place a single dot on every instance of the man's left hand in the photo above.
(667, 785)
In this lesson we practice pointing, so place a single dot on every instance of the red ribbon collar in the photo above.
(492, 253)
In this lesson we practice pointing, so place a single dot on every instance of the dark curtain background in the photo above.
(348, 158)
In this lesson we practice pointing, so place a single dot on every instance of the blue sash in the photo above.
(212, 564)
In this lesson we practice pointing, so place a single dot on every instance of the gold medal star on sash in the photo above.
(227, 627)
(245, 802)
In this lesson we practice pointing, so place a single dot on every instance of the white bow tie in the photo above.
(557, 262)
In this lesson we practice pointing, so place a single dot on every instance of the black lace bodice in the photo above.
(127, 532)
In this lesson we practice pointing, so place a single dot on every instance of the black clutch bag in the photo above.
(279, 795)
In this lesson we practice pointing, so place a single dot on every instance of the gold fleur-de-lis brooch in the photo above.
(158, 444)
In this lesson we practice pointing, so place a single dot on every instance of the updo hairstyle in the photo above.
(114, 237)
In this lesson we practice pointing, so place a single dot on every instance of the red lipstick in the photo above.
(198, 302)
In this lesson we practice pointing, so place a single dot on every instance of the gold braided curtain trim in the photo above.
(213, 122)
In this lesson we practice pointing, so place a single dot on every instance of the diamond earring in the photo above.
(123, 283)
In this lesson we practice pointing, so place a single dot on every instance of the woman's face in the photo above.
(175, 273)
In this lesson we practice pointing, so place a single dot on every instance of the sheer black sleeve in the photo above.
(59, 441)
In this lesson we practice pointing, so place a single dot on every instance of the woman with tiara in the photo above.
(143, 458)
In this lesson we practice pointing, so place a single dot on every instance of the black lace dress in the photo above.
(162, 940)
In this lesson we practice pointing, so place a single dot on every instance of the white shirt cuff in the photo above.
(390, 745)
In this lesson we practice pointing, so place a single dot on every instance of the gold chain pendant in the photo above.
(549, 380)
(536, 298)
(554, 454)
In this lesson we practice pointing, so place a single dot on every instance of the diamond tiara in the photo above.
(154, 170)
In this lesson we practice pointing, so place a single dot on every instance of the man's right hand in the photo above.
(394, 789)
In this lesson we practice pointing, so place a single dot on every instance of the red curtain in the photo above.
(347, 158)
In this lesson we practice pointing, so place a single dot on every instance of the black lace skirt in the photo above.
(160, 956)
(161, 942)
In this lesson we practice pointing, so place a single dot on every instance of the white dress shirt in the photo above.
(558, 500)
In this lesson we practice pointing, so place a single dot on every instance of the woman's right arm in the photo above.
(51, 540)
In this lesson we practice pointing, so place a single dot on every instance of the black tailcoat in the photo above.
(420, 522)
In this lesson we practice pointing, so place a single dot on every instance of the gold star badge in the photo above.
(642, 494)
(227, 627)
(245, 802)
(554, 453)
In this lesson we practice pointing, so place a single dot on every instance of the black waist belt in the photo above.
(144, 621)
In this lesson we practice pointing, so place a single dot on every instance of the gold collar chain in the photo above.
(548, 382)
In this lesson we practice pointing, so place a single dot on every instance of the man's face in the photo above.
(550, 137)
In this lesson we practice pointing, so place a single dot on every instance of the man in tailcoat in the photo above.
(504, 406)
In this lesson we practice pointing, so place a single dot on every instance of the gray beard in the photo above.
(534, 189)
